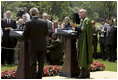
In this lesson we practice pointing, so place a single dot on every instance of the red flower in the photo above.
(59, 68)
(98, 67)
(94, 63)
(13, 74)
(55, 67)
(45, 69)
(51, 67)
(2, 72)
(56, 72)
(2, 75)
(47, 66)
(14, 69)
(6, 72)
(94, 67)
(47, 73)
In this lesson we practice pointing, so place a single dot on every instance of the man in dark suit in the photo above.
(67, 24)
(94, 39)
(111, 41)
(8, 43)
(55, 50)
(36, 31)
(102, 39)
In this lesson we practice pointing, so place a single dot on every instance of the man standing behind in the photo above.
(49, 23)
(26, 14)
(36, 31)
(111, 41)
(102, 39)
(7, 41)
(85, 53)
(67, 23)
(94, 40)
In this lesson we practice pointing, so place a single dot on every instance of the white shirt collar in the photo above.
(8, 19)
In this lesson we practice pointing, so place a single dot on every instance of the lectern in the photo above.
(70, 67)
(23, 70)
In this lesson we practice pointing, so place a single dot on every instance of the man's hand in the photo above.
(94, 34)
(73, 25)
(102, 31)
(7, 28)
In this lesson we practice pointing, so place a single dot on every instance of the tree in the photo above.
(61, 9)
(109, 8)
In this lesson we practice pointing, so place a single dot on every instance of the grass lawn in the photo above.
(110, 66)
(8, 67)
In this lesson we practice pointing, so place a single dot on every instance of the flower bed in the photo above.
(48, 71)
(52, 70)
(8, 74)
(96, 66)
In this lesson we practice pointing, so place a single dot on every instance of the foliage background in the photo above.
(59, 9)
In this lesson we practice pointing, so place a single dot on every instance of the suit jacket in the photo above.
(56, 50)
(111, 36)
(105, 29)
(67, 25)
(6, 38)
(95, 31)
(36, 31)
(50, 29)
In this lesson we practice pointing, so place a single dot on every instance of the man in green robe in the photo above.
(85, 52)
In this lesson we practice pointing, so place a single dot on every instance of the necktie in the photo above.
(8, 22)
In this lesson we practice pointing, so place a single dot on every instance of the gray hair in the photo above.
(83, 10)
(33, 11)
(66, 17)
(24, 16)
(45, 14)
(8, 12)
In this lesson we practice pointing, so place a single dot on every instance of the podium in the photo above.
(70, 67)
(23, 70)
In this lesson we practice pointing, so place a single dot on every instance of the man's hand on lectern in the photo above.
(73, 25)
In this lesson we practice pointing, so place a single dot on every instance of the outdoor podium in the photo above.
(23, 70)
(70, 67)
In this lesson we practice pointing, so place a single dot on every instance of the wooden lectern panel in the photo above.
(23, 70)
(20, 73)
(67, 62)
(70, 67)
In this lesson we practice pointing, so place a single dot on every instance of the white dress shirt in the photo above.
(28, 16)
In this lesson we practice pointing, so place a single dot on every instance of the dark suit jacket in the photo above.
(95, 32)
(111, 37)
(105, 29)
(36, 31)
(56, 50)
(6, 38)
(67, 26)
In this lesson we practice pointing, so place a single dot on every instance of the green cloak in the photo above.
(85, 55)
